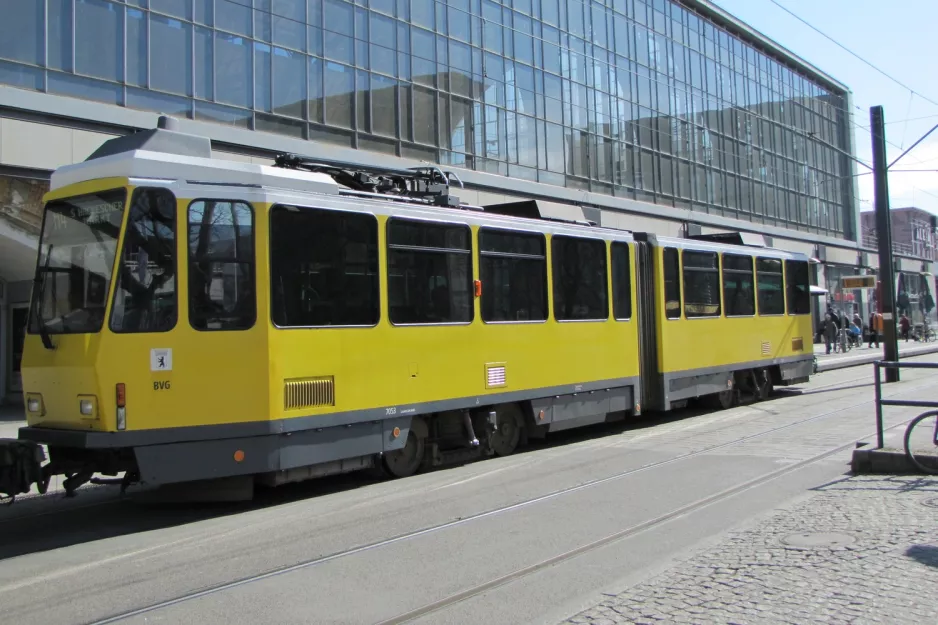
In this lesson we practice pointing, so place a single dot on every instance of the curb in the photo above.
(868, 359)
(887, 461)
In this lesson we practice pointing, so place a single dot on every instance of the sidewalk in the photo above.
(866, 355)
(863, 549)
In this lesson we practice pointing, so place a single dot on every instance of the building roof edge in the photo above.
(711, 10)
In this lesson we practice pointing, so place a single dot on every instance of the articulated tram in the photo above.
(197, 319)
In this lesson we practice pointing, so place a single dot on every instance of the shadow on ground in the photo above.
(924, 554)
(41, 524)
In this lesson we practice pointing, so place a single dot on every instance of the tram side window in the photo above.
(771, 293)
(145, 297)
(221, 265)
(799, 291)
(621, 282)
(580, 279)
(701, 284)
(513, 270)
(738, 291)
(672, 284)
(429, 272)
(323, 268)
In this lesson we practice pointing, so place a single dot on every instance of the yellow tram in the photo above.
(196, 319)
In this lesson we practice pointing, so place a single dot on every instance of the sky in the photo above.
(900, 38)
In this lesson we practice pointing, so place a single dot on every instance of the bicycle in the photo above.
(845, 340)
(910, 445)
(927, 335)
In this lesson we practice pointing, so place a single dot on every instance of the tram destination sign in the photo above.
(858, 282)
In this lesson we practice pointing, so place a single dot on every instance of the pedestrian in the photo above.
(830, 331)
(876, 327)
(904, 326)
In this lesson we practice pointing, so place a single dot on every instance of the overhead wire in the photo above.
(912, 92)
(851, 52)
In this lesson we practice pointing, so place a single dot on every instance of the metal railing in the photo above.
(880, 402)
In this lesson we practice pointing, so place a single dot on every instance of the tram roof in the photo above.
(163, 154)
(147, 164)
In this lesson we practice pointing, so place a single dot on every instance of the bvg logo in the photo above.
(161, 385)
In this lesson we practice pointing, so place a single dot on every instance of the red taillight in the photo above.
(121, 395)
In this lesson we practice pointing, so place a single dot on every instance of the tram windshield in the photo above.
(76, 255)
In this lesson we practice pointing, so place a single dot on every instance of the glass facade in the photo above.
(643, 99)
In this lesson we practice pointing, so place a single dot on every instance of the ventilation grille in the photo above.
(495, 375)
(766, 348)
(797, 344)
(308, 392)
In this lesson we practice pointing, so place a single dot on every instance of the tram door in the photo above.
(18, 315)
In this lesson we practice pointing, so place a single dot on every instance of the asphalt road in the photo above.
(535, 537)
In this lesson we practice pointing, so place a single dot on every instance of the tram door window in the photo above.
(738, 291)
(429, 272)
(513, 270)
(799, 296)
(221, 265)
(145, 297)
(672, 284)
(323, 268)
(770, 286)
(621, 282)
(701, 284)
(580, 279)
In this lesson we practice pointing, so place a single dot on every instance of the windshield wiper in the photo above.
(39, 287)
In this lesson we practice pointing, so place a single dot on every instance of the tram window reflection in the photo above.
(672, 284)
(579, 272)
(323, 268)
(513, 270)
(429, 272)
(738, 286)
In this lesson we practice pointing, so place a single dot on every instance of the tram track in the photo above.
(557, 559)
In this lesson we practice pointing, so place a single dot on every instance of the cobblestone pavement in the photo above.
(882, 566)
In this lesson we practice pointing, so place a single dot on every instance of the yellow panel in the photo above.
(89, 186)
(395, 366)
(698, 343)
(216, 377)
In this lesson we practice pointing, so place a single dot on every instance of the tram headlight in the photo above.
(87, 406)
(34, 404)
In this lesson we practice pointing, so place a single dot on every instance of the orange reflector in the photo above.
(478, 287)
(121, 395)
(541, 415)
(238, 456)
(396, 432)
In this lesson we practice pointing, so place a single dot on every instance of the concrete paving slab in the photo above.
(847, 553)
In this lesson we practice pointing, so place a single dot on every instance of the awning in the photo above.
(816, 290)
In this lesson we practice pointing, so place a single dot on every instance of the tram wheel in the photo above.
(722, 400)
(764, 386)
(406, 461)
(505, 439)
